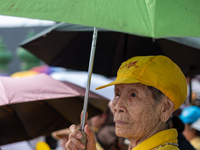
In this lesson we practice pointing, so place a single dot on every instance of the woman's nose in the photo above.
(118, 105)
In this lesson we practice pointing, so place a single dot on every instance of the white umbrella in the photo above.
(80, 78)
(8, 21)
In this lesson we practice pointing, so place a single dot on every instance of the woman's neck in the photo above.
(134, 141)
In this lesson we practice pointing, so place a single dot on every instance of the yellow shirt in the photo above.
(158, 139)
(99, 147)
(196, 143)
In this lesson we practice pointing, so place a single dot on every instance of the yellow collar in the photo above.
(160, 138)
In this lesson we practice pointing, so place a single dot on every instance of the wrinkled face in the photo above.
(135, 111)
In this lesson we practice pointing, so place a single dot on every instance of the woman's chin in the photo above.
(120, 132)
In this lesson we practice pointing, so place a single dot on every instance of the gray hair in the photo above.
(158, 95)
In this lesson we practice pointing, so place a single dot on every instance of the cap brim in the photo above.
(196, 125)
(121, 81)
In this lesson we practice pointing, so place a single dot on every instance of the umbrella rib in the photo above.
(20, 122)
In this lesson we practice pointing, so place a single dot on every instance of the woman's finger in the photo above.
(91, 143)
(74, 139)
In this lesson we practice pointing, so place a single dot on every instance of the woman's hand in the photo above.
(74, 142)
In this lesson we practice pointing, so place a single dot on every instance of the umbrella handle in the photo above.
(92, 54)
(84, 139)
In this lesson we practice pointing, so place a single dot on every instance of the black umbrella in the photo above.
(68, 46)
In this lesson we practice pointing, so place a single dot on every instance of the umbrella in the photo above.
(154, 18)
(68, 46)
(24, 73)
(80, 78)
(42, 69)
(38, 105)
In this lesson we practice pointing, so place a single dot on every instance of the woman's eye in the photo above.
(133, 94)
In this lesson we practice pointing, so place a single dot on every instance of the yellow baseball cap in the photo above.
(156, 71)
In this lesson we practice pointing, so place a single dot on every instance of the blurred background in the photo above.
(14, 30)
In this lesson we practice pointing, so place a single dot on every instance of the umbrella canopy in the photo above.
(42, 69)
(68, 46)
(38, 105)
(80, 78)
(142, 17)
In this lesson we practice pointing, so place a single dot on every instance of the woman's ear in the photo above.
(166, 109)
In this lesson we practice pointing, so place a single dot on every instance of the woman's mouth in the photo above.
(119, 122)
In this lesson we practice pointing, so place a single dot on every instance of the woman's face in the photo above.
(135, 111)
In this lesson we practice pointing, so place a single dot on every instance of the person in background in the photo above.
(62, 137)
(103, 127)
(190, 117)
(183, 143)
(147, 91)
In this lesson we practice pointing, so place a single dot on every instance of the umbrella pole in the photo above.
(92, 54)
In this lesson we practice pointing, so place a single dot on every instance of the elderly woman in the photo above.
(147, 91)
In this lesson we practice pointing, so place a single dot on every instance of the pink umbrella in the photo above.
(38, 105)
